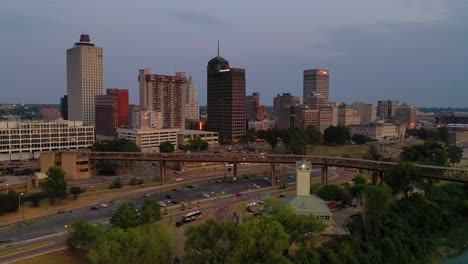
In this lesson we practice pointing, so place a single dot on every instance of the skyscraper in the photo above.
(164, 95)
(192, 108)
(64, 107)
(316, 88)
(226, 100)
(111, 112)
(283, 101)
(367, 112)
(387, 108)
(252, 104)
(84, 80)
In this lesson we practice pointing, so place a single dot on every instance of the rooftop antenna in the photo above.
(218, 47)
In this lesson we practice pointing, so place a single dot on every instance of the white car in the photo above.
(291, 177)
(162, 204)
(104, 205)
(179, 179)
(257, 186)
(206, 195)
(265, 179)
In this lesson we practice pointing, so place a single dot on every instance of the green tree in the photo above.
(372, 153)
(75, 190)
(197, 144)
(151, 244)
(166, 147)
(314, 136)
(443, 133)
(248, 138)
(271, 136)
(55, 184)
(338, 135)
(330, 193)
(361, 139)
(377, 201)
(455, 154)
(116, 184)
(82, 234)
(115, 145)
(401, 177)
(295, 139)
(8, 202)
(261, 240)
(150, 212)
(125, 217)
(359, 180)
(211, 242)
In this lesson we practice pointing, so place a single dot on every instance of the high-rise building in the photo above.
(64, 107)
(252, 104)
(84, 80)
(282, 101)
(406, 114)
(368, 112)
(164, 95)
(387, 108)
(306, 116)
(348, 116)
(192, 108)
(316, 88)
(226, 100)
(111, 112)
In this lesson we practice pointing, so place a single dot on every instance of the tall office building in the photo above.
(367, 112)
(165, 95)
(192, 108)
(282, 101)
(316, 88)
(252, 105)
(387, 108)
(406, 114)
(226, 100)
(64, 107)
(348, 115)
(112, 111)
(84, 80)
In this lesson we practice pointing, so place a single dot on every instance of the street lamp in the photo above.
(66, 228)
(7, 188)
(19, 210)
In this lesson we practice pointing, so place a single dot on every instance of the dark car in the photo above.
(179, 223)
(95, 207)
(219, 181)
(176, 189)
(190, 186)
(168, 196)
(175, 202)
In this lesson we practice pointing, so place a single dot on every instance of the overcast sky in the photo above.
(411, 50)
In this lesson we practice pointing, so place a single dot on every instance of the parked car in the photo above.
(191, 186)
(265, 179)
(176, 189)
(237, 194)
(95, 207)
(168, 196)
(146, 195)
(104, 205)
(175, 202)
(219, 181)
(162, 204)
(206, 195)
(291, 177)
(179, 179)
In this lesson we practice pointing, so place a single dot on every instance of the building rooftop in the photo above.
(217, 60)
(307, 205)
(195, 132)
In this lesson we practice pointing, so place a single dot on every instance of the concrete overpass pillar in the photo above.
(234, 176)
(273, 180)
(162, 172)
(324, 174)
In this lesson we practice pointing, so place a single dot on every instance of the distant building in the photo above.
(49, 113)
(262, 113)
(306, 116)
(367, 112)
(112, 111)
(192, 108)
(64, 107)
(225, 100)
(75, 164)
(261, 125)
(26, 140)
(407, 114)
(149, 140)
(387, 108)
(303, 202)
(283, 101)
(348, 116)
(316, 88)
(84, 80)
(328, 116)
(453, 118)
(164, 94)
(252, 105)
(185, 136)
(379, 131)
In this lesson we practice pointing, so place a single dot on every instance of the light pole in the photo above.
(66, 228)
(7, 188)
(19, 210)
(94, 194)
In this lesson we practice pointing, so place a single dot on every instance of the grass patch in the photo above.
(27, 248)
(57, 257)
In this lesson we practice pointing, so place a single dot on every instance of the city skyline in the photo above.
(410, 52)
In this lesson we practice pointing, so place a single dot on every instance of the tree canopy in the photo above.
(166, 147)
(401, 177)
(115, 145)
(55, 185)
(338, 135)
(196, 144)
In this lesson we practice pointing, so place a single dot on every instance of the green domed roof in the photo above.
(218, 60)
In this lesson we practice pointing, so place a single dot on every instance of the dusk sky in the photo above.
(415, 51)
